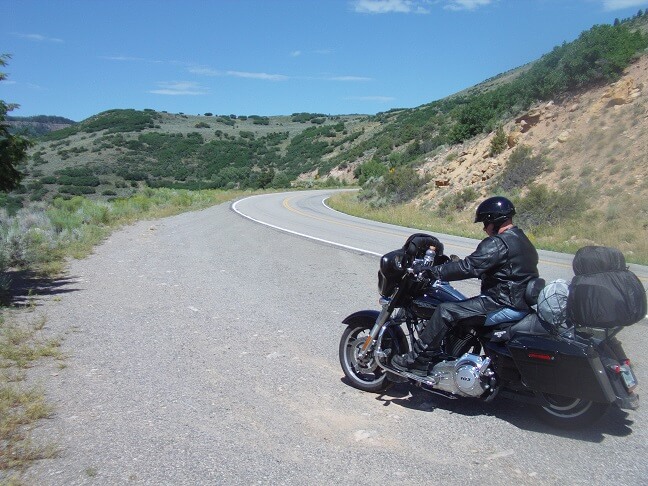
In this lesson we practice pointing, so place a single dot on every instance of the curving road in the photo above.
(202, 349)
(307, 214)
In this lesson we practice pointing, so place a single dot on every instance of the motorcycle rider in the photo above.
(505, 261)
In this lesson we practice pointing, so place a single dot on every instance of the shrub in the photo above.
(499, 142)
(521, 169)
(542, 206)
(453, 203)
(401, 185)
(369, 169)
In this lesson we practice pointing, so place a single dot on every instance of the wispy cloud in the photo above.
(380, 99)
(263, 76)
(391, 6)
(466, 4)
(318, 52)
(619, 4)
(180, 88)
(38, 38)
(205, 71)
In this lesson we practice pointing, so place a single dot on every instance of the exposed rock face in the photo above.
(620, 93)
(513, 138)
(582, 131)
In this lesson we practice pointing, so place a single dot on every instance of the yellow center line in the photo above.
(286, 204)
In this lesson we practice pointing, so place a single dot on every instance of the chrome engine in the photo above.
(468, 376)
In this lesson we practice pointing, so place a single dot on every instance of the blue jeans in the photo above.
(505, 314)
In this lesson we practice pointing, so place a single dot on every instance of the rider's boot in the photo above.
(418, 360)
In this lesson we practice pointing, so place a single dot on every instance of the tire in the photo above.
(365, 374)
(569, 413)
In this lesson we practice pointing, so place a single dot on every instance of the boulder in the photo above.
(513, 139)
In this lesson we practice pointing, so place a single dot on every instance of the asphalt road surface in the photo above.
(203, 349)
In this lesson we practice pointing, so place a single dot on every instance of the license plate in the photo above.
(628, 377)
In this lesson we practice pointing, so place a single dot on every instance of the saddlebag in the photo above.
(551, 365)
(603, 292)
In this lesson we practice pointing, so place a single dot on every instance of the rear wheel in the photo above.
(569, 413)
(364, 373)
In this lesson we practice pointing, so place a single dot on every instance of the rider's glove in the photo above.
(422, 269)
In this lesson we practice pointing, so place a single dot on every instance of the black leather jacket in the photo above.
(505, 263)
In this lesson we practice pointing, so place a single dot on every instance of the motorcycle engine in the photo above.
(463, 376)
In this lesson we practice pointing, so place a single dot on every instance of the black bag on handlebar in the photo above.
(603, 292)
(418, 243)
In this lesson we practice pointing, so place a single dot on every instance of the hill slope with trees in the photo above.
(398, 157)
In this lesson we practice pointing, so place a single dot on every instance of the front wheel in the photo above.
(364, 373)
(569, 413)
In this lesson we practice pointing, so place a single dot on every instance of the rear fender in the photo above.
(361, 317)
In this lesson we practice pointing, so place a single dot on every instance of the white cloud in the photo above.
(38, 38)
(176, 88)
(619, 4)
(204, 71)
(295, 53)
(263, 76)
(466, 4)
(390, 6)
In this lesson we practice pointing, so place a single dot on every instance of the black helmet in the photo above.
(494, 210)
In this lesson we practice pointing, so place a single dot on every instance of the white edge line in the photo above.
(328, 242)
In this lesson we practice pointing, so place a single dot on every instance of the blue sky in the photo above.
(76, 58)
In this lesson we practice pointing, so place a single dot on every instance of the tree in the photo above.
(499, 142)
(13, 148)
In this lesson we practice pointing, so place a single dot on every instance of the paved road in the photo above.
(203, 350)
(307, 214)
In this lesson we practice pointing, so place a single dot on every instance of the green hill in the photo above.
(114, 152)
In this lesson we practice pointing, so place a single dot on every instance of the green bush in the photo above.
(372, 168)
(499, 142)
(401, 185)
(521, 169)
(542, 206)
(459, 201)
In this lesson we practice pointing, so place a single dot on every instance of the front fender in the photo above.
(361, 317)
(367, 318)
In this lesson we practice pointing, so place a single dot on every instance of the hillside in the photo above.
(36, 126)
(593, 145)
(564, 136)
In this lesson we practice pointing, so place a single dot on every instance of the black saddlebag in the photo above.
(603, 292)
(566, 368)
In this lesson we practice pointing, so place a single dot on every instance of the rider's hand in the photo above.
(422, 269)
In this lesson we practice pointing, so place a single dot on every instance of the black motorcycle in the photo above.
(572, 373)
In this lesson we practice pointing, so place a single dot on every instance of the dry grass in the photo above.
(22, 344)
(622, 223)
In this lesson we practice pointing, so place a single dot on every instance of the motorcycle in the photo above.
(570, 374)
